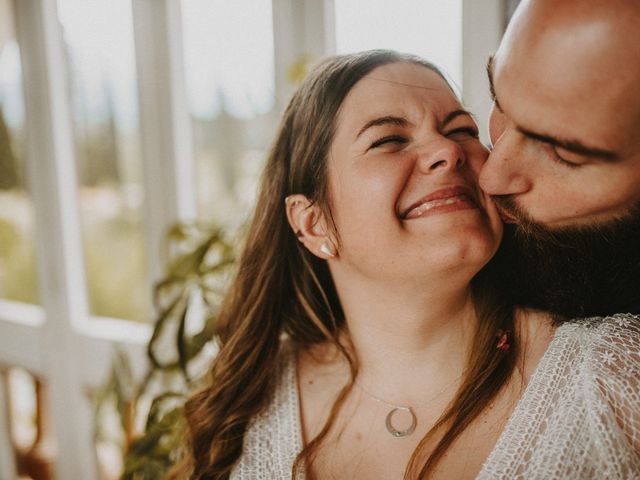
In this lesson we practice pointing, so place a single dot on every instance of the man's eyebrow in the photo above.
(492, 88)
(572, 146)
(386, 120)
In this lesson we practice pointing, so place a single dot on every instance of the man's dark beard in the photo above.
(573, 271)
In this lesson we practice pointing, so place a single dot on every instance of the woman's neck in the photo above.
(408, 340)
(535, 332)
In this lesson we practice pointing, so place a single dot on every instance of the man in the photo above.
(565, 165)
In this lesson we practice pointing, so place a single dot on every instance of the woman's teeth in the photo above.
(420, 209)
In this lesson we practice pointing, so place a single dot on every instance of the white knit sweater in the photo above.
(579, 417)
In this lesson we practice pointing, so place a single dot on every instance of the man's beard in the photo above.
(577, 271)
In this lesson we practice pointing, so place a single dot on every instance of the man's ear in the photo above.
(309, 225)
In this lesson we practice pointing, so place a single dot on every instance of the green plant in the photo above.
(187, 300)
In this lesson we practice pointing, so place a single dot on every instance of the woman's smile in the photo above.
(445, 200)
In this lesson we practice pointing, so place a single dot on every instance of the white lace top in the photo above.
(579, 417)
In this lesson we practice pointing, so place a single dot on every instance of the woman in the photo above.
(358, 339)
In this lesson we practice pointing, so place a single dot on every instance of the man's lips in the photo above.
(445, 199)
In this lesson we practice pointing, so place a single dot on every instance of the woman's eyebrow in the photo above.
(386, 120)
(455, 114)
(403, 122)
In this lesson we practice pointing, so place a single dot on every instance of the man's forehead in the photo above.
(542, 92)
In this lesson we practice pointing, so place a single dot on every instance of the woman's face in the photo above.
(403, 179)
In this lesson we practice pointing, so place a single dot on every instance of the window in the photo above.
(99, 42)
(429, 28)
(18, 277)
(231, 101)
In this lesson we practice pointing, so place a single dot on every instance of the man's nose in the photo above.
(505, 172)
(445, 156)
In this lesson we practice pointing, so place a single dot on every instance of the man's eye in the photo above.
(563, 161)
(463, 132)
(392, 139)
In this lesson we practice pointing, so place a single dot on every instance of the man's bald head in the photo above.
(540, 16)
(581, 45)
(592, 32)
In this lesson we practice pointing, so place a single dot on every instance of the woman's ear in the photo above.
(309, 225)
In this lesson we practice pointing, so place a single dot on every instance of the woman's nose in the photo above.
(444, 156)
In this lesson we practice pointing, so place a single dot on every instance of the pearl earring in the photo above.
(327, 250)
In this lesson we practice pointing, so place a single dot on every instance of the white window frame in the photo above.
(59, 341)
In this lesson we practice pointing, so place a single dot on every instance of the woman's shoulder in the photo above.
(608, 342)
(611, 369)
(283, 399)
(272, 439)
(579, 416)
(610, 350)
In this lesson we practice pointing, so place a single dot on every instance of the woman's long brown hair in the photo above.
(281, 288)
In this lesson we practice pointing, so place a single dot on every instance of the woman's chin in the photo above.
(464, 258)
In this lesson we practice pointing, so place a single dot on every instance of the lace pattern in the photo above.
(273, 438)
(578, 418)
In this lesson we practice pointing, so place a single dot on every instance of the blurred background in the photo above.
(122, 118)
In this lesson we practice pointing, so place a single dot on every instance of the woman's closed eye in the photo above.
(389, 141)
(463, 133)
